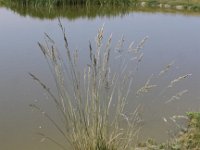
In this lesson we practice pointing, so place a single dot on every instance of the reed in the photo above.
(92, 100)
(169, 4)
(70, 2)
(92, 108)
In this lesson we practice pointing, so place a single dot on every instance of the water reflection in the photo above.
(91, 12)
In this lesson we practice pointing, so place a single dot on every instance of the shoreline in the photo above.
(168, 5)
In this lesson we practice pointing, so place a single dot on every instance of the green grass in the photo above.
(70, 12)
(69, 2)
(191, 139)
(187, 140)
(188, 4)
(80, 11)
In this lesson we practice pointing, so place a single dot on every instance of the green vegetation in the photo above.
(78, 11)
(191, 139)
(166, 4)
(69, 2)
(70, 12)
(187, 140)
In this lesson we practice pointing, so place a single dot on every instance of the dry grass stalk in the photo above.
(180, 117)
(140, 45)
(177, 96)
(90, 121)
(166, 69)
(120, 44)
(179, 79)
(86, 106)
(146, 88)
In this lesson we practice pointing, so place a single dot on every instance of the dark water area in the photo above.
(172, 37)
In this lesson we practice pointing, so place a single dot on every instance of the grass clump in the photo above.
(93, 108)
(187, 140)
(92, 100)
(195, 7)
(191, 139)
(152, 3)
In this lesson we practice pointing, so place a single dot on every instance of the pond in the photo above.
(173, 37)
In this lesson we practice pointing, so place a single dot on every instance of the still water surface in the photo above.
(172, 37)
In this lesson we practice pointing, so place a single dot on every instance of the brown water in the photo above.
(171, 37)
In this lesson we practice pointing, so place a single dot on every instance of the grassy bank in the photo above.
(188, 139)
(165, 4)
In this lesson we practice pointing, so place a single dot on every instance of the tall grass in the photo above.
(93, 112)
(92, 100)
(187, 4)
(69, 12)
(70, 2)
